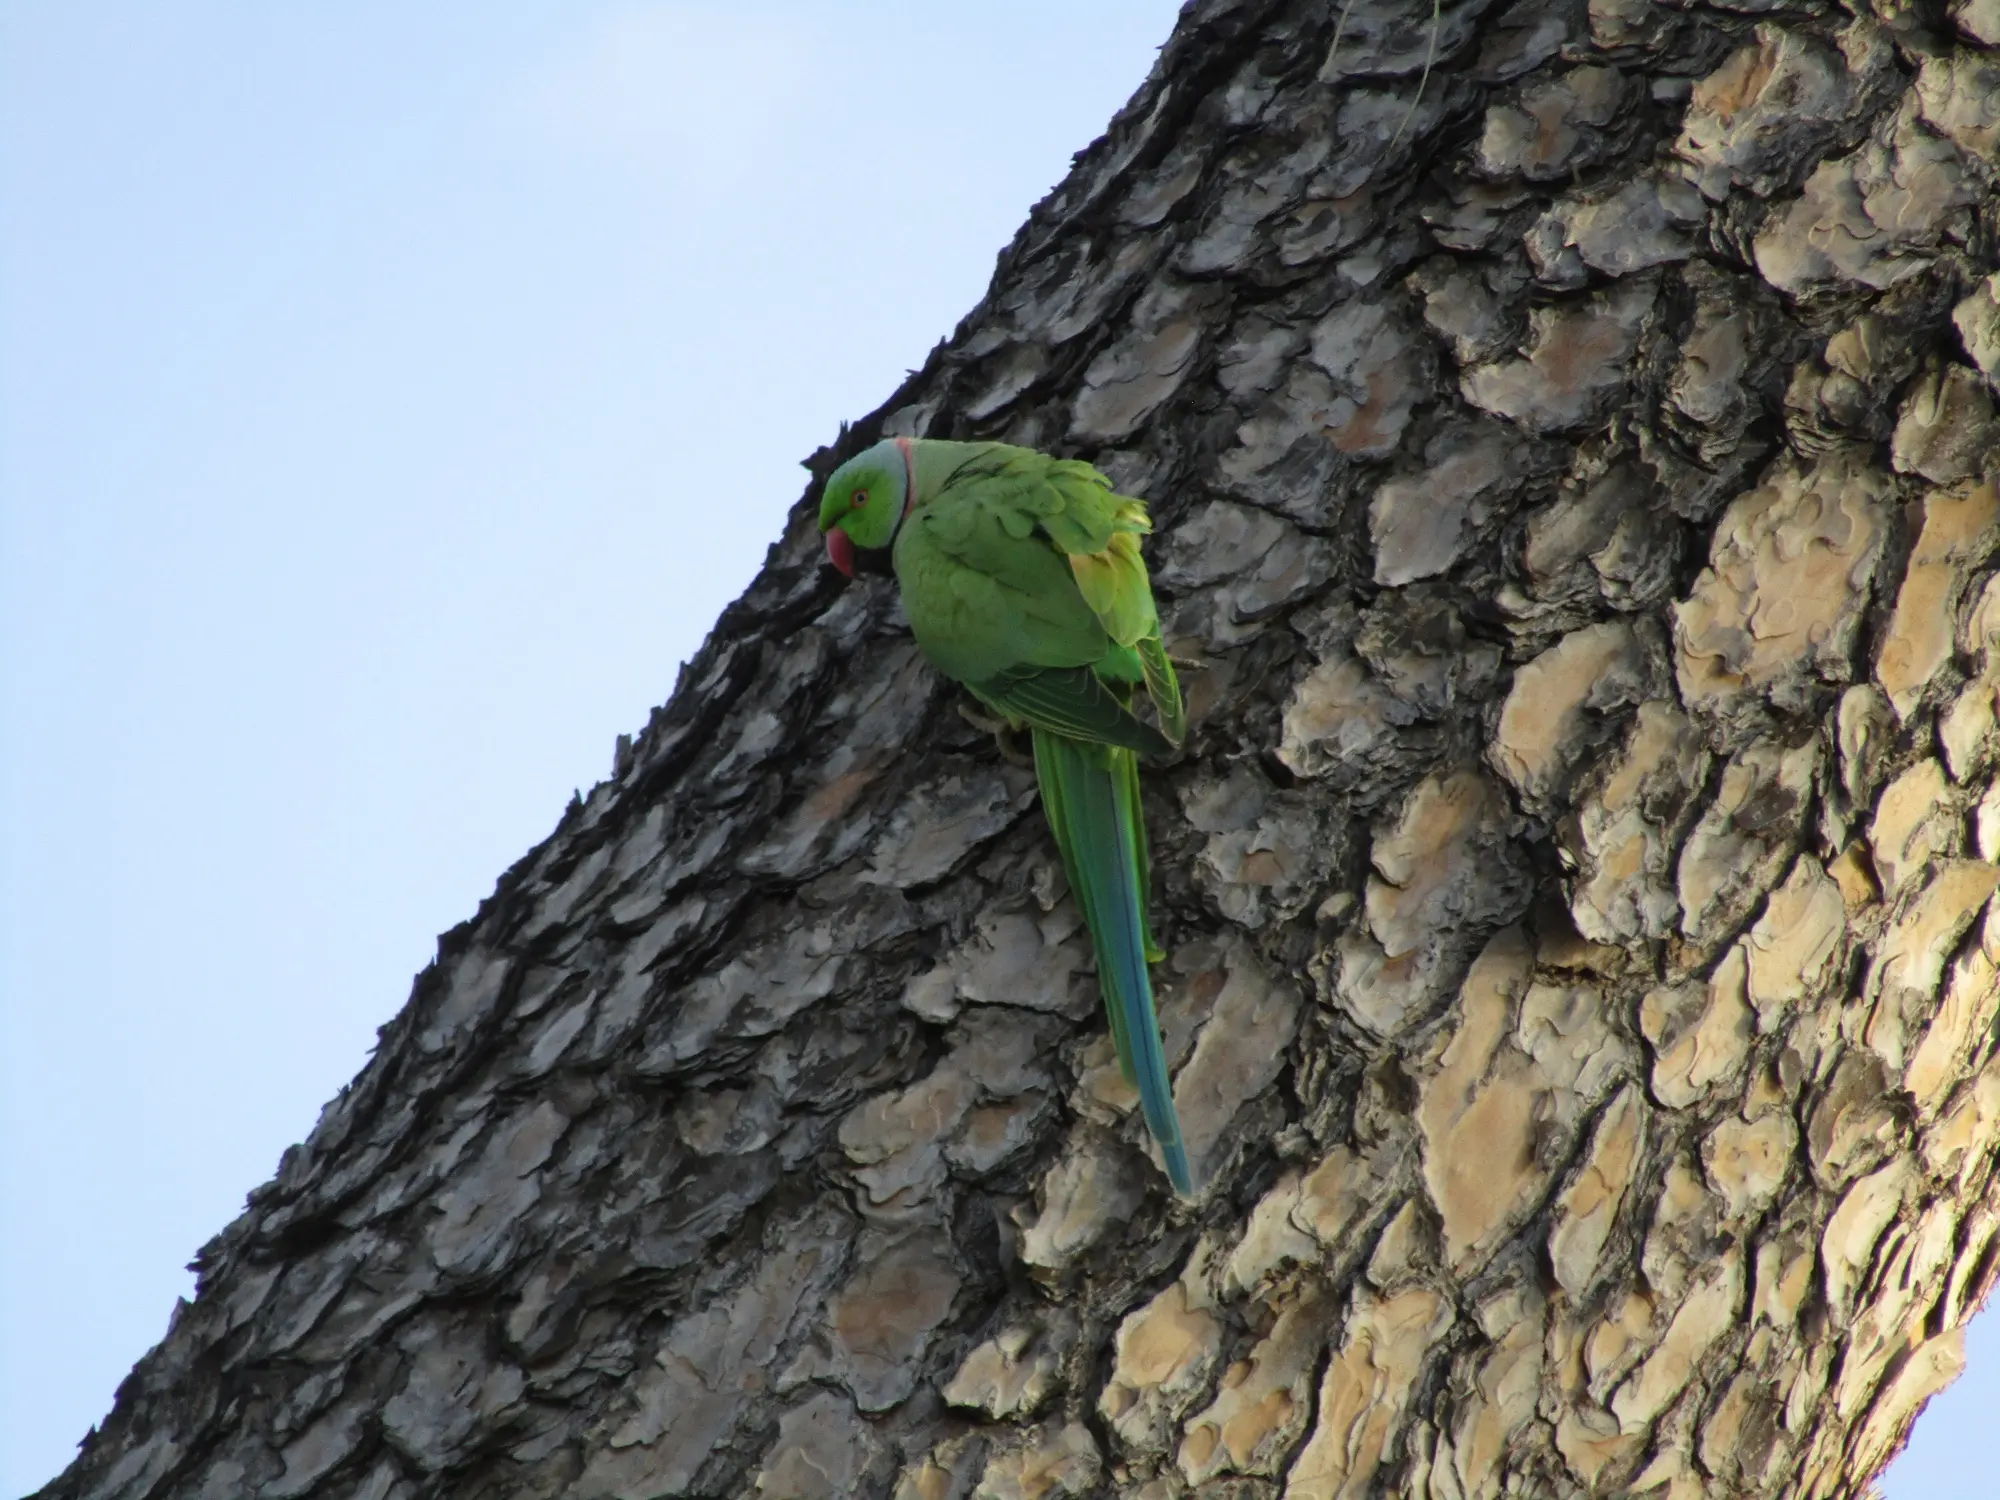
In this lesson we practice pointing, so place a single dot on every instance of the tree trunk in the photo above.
(1575, 475)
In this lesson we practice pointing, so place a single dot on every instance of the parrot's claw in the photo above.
(1187, 663)
(1010, 741)
(985, 723)
(1007, 736)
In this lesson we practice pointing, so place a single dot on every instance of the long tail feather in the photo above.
(1090, 793)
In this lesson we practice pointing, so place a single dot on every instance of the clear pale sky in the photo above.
(391, 396)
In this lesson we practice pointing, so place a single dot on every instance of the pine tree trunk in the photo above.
(1575, 475)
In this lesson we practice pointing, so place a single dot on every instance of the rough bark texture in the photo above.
(1576, 481)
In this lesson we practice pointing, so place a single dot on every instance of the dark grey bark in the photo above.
(1575, 477)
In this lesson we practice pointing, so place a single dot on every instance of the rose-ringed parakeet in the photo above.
(1022, 579)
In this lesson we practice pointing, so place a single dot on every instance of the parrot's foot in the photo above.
(985, 723)
(1014, 746)
(1187, 663)
(1011, 738)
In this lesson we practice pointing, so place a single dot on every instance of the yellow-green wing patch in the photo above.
(1114, 584)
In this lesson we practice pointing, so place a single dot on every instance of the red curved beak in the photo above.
(840, 551)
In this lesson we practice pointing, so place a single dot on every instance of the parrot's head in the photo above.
(864, 501)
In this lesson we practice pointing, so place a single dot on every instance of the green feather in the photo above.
(1164, 688)
(1073, 701)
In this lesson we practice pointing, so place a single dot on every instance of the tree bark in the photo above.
(1575, 476)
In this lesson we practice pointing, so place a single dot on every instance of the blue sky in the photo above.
(390, 398)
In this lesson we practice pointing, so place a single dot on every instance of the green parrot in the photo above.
(1022, 579)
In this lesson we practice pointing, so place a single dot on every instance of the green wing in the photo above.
(1071, 701)
(1020, 561)
(1162, 686)
(1098, 533)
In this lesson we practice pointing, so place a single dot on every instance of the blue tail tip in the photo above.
(1175, 1157)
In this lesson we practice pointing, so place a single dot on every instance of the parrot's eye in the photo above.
(860, 499)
